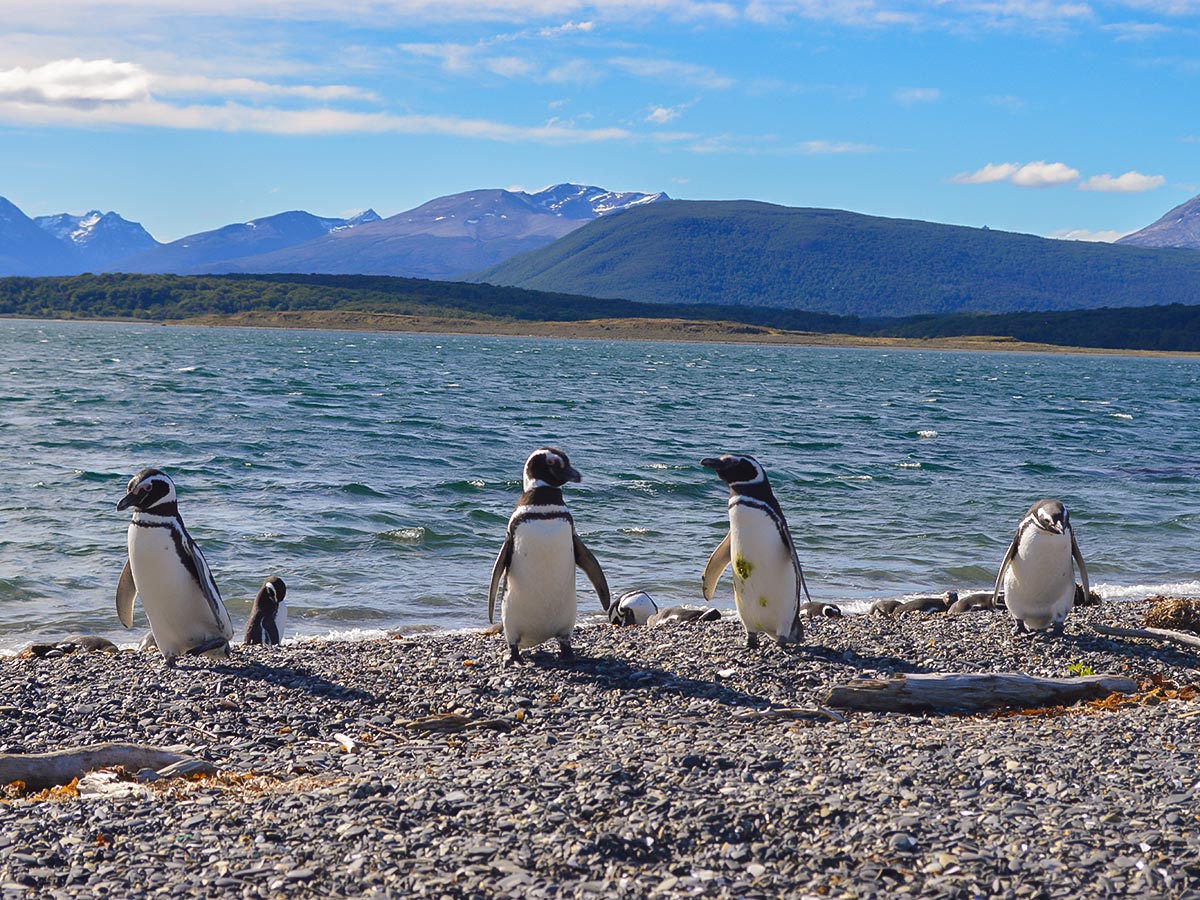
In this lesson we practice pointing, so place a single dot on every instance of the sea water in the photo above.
(375, 472)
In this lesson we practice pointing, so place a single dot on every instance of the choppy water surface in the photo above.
(375, 472)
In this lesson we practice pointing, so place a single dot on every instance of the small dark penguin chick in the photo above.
(268, 616)
(885, 607)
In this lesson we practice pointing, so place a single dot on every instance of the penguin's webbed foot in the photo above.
(1019, 628)
(1057, 630)
(169, 660)
(751, 640)
(514, 656)
(565, 650)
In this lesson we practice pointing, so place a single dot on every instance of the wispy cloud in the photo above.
(671, 71)
(1030, 175)
(769, 145)
(911, 96)
(661, 115)
(1129, 183)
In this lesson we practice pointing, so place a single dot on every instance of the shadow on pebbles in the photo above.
(423, 767)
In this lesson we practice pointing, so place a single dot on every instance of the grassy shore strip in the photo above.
(633, 772)
(636, 330)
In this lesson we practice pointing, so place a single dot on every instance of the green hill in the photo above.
(748, 254)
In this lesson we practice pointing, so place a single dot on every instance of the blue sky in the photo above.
(1051, 118)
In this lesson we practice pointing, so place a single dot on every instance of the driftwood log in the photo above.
(1153, 634)
(45, 770)
(972, 692)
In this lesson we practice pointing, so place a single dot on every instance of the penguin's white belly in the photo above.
(1039, 586)
(179, 614)
(765, 585)
(539, 598)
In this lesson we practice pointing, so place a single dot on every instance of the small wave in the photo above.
(1141, 591)
(1124, 416)
(403, 535)
(927, 434)
(908, 465)
(637, 531)
(358, 489)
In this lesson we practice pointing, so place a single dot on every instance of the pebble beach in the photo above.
(662, 762)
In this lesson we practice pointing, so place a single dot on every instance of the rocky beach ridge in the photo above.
(662, 762)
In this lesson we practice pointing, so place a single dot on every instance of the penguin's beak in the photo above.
(125, 502)
(572, 474)
(711, 462)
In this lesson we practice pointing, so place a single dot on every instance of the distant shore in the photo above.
(699, 331)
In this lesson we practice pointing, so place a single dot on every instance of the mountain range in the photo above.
(750, 254)
(445, 238)
(585, 240)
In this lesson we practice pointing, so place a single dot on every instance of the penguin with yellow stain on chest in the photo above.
(768, 581)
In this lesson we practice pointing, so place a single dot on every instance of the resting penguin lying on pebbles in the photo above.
(885, 607)
(768, 582)
(167, 571)
(928, 604)
(535, 570)
(812, 609)
(675, 615)
(1036, 574)
(632, 608)
(971, 602)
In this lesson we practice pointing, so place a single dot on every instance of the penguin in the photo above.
(1036, 573)
(885, 607)
(167, 571)
(676, 615)
(768, 580)
(535, 569)
(268, 615)
(813, 610)
(977, 600)
(632, 608)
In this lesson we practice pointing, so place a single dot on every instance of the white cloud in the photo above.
(1030, 175)
(909, 96)
(661, 115)
(1082, 234)
(1129, 183)
(1044, 174)
(76, 81)
(989, 173)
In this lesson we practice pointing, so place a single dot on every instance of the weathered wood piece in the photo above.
(45, 770)
(972, 692)
(1153, 634)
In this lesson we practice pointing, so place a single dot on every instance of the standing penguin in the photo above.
(767, 578)
(537, 562)
(1036, 575)
(268, 616)
(168, 572)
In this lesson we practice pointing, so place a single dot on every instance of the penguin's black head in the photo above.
(548, 466)
(736, 468)
(1051, 516)
(147, 489)
(272, 591)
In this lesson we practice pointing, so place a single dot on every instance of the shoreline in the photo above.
(651, 766)
(651, 330)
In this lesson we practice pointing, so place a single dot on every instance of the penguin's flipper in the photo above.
(717, 563)
(586, 561)
(498, 571)
(208, 587)
(1008, 558)
(1082, 568)
(126, 591)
